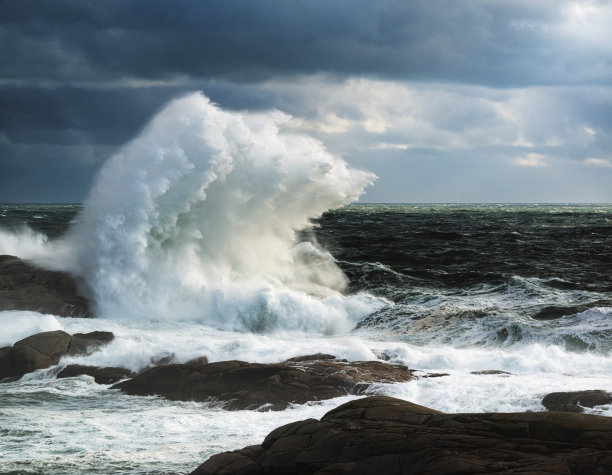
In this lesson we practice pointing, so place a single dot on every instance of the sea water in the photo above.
(228, 235)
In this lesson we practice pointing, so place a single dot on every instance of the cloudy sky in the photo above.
(445, 100)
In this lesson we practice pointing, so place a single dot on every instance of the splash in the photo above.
(198, 218)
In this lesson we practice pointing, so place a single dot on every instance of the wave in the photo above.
(198, 218)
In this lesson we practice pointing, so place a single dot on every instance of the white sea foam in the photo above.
(16, 325)
(105, 432)
(113, 433)
(31, 245)
(534, 368)
(197, 218)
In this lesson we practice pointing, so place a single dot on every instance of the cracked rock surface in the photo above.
(379, 434)
(25, 286)
(241, 385)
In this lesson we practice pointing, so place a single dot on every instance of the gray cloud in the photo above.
(494, 43)
(404, 88)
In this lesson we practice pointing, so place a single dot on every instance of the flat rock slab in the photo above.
(241, 385)
(575, 401)
(24, 286)
(382, 435)
(45, 349)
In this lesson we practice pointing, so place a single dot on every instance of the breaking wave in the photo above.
(198, 218)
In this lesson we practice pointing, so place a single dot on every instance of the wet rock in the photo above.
(36, 352)
(553, 312)
(575, 401)
(489, 372)
(87, 343)
(379, 434)
(241, 385)
(24, 286)
(104, 375)
(434, 375)
(197, 363)
(45, 349)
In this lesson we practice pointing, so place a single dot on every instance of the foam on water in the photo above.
(20, 324)
(77, 424)
(535, 368)
(31, 245)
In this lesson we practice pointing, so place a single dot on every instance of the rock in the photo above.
(197, 363)
(572, 401)
(241, 385)
(87, 343)
(45, 349)
(106, 375)
(24, 286)
(377, 435)
(489, 372)
(37, 351)
(434, 375)
(553, 312)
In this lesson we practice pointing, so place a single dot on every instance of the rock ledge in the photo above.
(379, 434)
(241, 385)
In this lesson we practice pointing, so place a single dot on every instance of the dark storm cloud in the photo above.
(79, 78)
(54, 115)
(494, 43)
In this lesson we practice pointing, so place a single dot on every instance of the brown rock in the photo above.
(434, 375)
(243, 385)
(197, 363)
(105, 375)
(489, 372)
(87, 343)
(575, 401)
(24, 286)
(45, 349)
(382, 435)
(38, 351)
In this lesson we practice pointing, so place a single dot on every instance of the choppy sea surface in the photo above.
(448, 288)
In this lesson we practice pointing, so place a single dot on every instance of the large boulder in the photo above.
(24, 286)
(38, 351)
(377, 435)
(45, 349)
(576, 401)
(241, 385)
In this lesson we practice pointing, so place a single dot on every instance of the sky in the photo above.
(445, 100)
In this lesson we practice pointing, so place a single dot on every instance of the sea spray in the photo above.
(198, 217)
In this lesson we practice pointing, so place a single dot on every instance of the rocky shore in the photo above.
(241, 385)
(372, 435)
(25, 286)
(379, 434)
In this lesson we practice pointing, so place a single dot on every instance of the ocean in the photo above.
(212, 239)
(453, 289)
